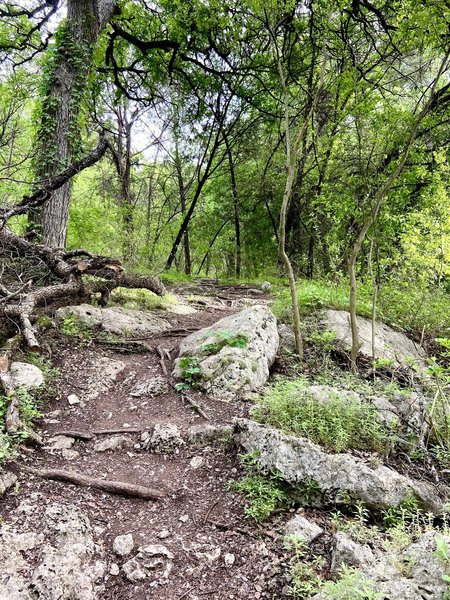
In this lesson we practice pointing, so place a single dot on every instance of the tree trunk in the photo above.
(64, 87)
(237, 224)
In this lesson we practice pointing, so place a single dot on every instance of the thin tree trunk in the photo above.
(379, 199)
(237, 224)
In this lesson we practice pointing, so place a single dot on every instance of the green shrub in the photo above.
(339, 423)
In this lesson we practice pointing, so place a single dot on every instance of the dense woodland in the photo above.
(260, 167)
(298, 140)
(214, 114)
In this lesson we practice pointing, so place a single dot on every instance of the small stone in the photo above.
(162, 535)
(265, 286)
(196, 462)
(303, 528)
(7, 480)
(123, 544)
(184, 518)
(73, 399)
(61, 442)
(69, 454)
(116, 442)
(114, 569)
(229, 559)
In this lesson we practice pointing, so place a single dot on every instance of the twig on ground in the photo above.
(162, 361)
(195, 406)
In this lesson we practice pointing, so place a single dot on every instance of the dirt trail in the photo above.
(217, 552)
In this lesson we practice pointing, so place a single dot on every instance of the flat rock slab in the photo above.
(228, 370)
(390, 345)
(58, 563)
(338, 476)
(120, 321)
(26, 375)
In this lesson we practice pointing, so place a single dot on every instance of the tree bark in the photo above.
(64, 83)
(237, 224)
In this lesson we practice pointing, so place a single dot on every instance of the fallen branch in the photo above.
(114, 487)
(195, 406)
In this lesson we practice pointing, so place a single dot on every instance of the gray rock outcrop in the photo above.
(228, 369)
(338, 476)
(116, 320)
(390, 345)
(416, 573)
(58, 563)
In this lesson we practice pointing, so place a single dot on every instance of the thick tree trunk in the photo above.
(64, 88)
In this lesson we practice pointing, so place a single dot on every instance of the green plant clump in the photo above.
(339, 423)
(222, 339)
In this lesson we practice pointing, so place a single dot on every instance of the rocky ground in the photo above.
(193, 543)
(117, 416)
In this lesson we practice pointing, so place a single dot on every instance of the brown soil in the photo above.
(194, 498)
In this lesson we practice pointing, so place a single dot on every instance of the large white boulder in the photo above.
(234, 355)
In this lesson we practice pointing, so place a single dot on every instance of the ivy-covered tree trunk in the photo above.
(63, 91)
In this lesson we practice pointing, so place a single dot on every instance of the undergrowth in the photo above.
(401, 303)
(267, 492)
(339, 423)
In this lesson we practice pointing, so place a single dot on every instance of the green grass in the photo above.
(140, 299)
(339, 424)
(402, 304)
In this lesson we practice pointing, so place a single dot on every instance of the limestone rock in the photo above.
(153, 561)
(7, 480)
(123, 544)
(116, 442)
(301, 527)
(299, 460)
(62, 565)
(265, 286)
(165, 437)
(389, 344)
(120, 321)
(349, 553)
(151, 387)
(415, 573)
(26, 375)
(61, 442)
(206, 433)
(226, 370)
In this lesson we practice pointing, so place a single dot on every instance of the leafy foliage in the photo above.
(341, 422)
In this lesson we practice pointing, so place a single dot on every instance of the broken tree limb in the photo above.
(120, 488)
(40, 196)
(195, 406)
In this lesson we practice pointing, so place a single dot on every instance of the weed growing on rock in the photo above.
(264, 493)
(339, 423)
(222, 339)
(73, 327)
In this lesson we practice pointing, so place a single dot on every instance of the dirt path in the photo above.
(217, 552)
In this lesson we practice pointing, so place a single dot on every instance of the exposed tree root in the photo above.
(114, 487)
